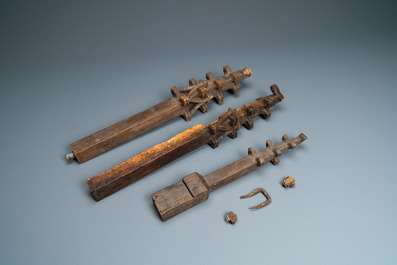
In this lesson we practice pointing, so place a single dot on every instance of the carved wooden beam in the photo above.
(184, 102)
(157, 156)
(194, 188)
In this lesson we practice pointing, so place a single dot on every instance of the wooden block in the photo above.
(180, 196)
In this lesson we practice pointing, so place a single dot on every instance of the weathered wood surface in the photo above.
(178, 197)
(152, 159)
(184, 102)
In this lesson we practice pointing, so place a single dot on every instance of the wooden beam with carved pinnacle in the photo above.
(184, 102)
(157, 156)
(194, 188)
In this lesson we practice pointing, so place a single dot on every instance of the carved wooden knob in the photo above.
(247, 71)
(202, 92)
(184, 100)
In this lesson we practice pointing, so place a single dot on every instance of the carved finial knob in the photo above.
(185, 100)
(235, 78)
(174, 91)
(187, 116)
(275, 161)
(212, 129)
(227, 70)
(204, 108)
(219, 97)
(266, 114)
(249, 124)
(210, 76)
(202, 92)
(192, 81)
(213, 143)
(285, 138)
(260, 161)
(247, 71)
(251, 151)
(235, 89)
(218, 84)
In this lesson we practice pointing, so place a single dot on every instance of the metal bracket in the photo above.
(259, 190)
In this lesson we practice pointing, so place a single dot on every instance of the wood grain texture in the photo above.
(187, 193)
(175, 199)
(154, 158)
(140, 165)
(184, 102)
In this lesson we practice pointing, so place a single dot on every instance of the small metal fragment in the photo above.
(288, 182)
(259, 190)
(69, 156)
(231, 217)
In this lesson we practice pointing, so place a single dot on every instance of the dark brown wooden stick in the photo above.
(194, 188)
(184, 102)
(152, 159)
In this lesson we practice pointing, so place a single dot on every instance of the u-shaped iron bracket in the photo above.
(259, 190)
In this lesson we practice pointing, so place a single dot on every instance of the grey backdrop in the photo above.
(70, 68)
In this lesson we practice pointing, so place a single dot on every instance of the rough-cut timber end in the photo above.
(180, 196)
(146, 162)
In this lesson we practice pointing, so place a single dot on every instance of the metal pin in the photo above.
(70, 156)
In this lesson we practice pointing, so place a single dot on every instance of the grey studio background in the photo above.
(70, 68)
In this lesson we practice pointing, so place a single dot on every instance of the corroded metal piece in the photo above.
(256, 191)
(159, 155)
(231, 217)
(288, 182)
(184, 102)
(195, 188)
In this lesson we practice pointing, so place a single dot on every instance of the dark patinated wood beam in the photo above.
(157, 156)
(184, 102)
(194, 188)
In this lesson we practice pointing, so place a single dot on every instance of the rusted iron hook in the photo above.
(259, 190)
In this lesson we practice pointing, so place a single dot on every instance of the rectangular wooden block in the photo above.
(180, 196)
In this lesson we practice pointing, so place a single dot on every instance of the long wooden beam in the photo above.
(184, 102)
(157, 156)
(194, 188)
